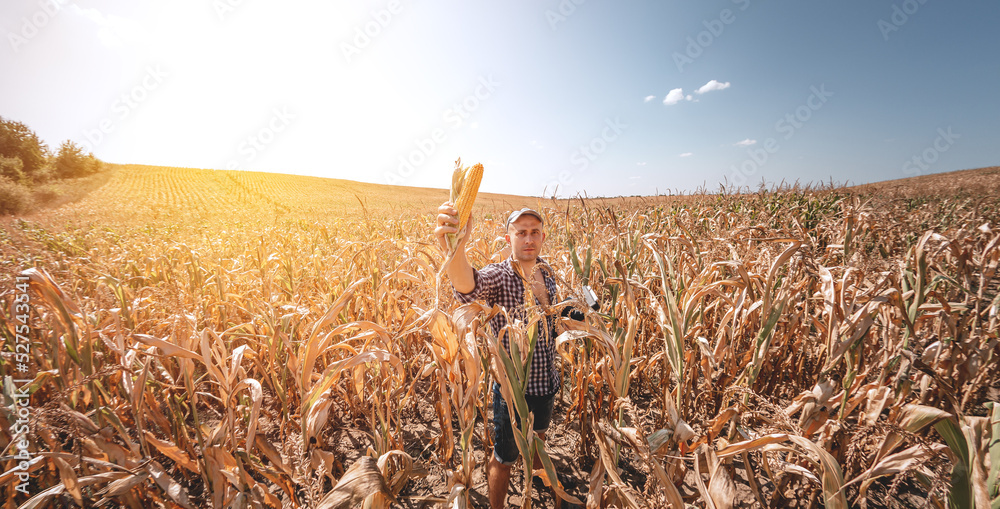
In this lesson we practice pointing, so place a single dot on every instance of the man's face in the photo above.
(525, 237)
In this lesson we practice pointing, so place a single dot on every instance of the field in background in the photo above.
(206, 338)
(170, 195)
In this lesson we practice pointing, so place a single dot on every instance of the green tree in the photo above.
(20, 142)
(71, 162)
(12, 168)
(93, 164)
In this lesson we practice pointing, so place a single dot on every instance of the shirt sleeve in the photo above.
(486, 281)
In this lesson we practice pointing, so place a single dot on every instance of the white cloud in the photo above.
(686, 154)
(113, 30)
(643, 163)
(712, 85)
(673, 97)
(634, 178)
(745, 143)
(649, 98)
(474, 125)
(90, 13)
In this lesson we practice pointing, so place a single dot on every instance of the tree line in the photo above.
(25, 159)
(32, 175)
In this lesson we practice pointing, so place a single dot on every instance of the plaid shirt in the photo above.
(497, 283)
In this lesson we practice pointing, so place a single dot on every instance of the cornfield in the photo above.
(225, 339)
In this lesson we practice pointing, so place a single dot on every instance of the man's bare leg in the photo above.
(535, 465)
(497, 480)
(538, 464)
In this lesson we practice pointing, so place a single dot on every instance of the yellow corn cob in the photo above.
(470, 188)
(464, 187)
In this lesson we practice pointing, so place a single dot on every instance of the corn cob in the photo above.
(464, 187)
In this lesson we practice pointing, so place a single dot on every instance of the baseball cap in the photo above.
(518, 213)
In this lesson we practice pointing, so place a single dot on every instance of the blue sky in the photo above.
(593, 96)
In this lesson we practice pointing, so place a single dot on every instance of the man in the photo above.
(503, 284)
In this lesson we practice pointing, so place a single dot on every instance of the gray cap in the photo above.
(518, 213)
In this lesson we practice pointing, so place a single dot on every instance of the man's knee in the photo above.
(498, 465)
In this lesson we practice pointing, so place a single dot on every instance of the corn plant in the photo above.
(202, 339)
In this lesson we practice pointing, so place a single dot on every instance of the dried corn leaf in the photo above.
(168, 349)
(360, 481)
(832, 477)
(720, 484)
(903, 461)
(69, 480)
(272, 454)
(172, 488)
(43, 497)
(173, 452)
(120, 487)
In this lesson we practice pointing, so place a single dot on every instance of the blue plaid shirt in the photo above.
(499, 284)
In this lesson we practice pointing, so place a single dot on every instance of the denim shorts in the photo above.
(504, 446)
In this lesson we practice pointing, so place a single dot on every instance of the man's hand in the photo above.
(459, 270)
(447, 222)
